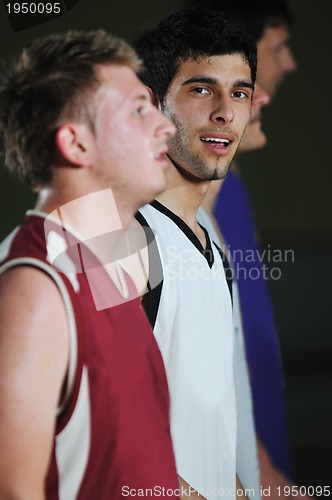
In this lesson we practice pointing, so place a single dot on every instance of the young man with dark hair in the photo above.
(201, 70)
(269, 24)
(83, 397)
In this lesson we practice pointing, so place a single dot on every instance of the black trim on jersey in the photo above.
(151, 298)
(228, 270)
(206, 252)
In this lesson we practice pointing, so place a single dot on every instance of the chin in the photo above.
(220, 174)
(260, 142)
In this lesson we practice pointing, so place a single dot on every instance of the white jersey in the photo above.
(246, 448)
(194, 329)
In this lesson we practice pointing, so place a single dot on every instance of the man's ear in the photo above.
(74, 144)
(154, 99)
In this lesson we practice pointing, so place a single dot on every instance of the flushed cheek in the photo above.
(187, 113)
(146, 148)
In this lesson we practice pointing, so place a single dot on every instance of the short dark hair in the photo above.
(49, 83)
(254, 15)
(190, 34)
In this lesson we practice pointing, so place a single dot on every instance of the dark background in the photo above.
(289, 184)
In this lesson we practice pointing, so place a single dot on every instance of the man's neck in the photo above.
(212, 193)
(88, 215)
(182, 195)
(235, 169)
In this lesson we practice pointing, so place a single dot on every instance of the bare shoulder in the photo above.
(31, 308)
(33, 319)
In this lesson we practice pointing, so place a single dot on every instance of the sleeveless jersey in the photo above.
(191, 312)
(247, 467)
(112, 432)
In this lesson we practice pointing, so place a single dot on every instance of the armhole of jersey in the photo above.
(73, 348)
(151, 298)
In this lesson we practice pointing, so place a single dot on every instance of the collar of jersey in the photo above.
(206, 252)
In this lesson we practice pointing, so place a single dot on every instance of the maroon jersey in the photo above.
(112, 432)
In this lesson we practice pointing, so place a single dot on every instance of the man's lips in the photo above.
(161, 154)
(219, 143)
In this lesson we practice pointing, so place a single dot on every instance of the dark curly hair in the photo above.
(190, 34)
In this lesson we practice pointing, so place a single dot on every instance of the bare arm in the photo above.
(188, 491)
(238, 488)
(272, 478)
(33, 362)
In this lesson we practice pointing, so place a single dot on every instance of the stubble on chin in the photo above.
(193, 165)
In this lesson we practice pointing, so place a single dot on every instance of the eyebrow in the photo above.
(244, 83)
(141, 98)
(214, 81)
(144, 97)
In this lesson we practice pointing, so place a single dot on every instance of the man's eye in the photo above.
(139, 110)
(239, 94)
(200, 90)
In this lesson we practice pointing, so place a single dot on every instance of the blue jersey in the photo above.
(233, 214)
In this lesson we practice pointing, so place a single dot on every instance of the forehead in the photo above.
(274, 36)
(225, 69)
(119, 85)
